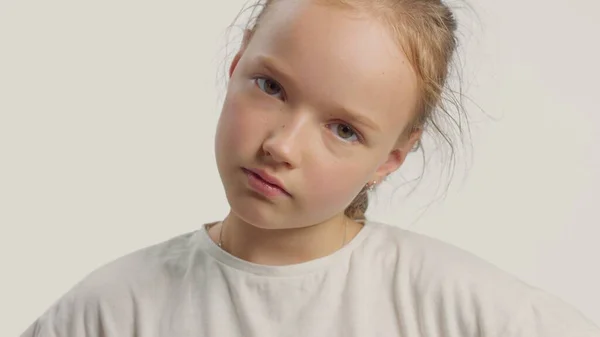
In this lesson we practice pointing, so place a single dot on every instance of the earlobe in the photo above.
(393, 162)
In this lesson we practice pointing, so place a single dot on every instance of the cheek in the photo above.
(332, 188)
(238, 130)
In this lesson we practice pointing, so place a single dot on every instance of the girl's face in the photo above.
(317, 100)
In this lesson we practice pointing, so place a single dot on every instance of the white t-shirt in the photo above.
(385, 282)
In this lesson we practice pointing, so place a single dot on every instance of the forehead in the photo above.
(338, 58)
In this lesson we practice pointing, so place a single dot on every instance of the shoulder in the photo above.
(450, 285)
(542, 314)
(145, 268)
(114, 295)
(432, 268)
(427, 257)
(435, 269)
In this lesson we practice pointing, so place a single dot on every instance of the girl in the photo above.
(326, 98)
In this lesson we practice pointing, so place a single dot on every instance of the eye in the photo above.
(344, 132)
(270, 87)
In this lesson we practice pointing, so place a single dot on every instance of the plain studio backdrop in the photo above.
(107, 118)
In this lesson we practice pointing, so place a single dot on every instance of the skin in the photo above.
(294, 85)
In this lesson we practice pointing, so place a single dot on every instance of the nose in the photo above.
(284, 143)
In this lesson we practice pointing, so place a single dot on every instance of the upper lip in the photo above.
(269, 178)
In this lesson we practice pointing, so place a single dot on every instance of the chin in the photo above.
(253, 211)
(261, 214)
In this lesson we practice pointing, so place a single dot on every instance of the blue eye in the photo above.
(270, 87)
(344, 132)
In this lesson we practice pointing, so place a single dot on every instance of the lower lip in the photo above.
(262, 187)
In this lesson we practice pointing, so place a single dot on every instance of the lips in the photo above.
(267, 178)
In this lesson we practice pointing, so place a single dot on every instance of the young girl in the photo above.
(325, 100)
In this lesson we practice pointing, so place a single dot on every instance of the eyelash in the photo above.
(359, 138)
(256, 80)
(259, 78)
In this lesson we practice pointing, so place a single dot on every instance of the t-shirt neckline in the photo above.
(216, 252)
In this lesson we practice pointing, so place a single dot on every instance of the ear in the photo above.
(238, 55)
(235, 62)
(398, 155)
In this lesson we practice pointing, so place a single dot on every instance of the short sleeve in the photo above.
(545, 315)
(85, 313)
(126, 297)
(70, 316)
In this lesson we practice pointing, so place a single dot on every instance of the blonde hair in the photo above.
(426, 33)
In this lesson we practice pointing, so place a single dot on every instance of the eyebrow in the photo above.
(359, 118)
(271, 66)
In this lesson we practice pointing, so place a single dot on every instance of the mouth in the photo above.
(265, 183)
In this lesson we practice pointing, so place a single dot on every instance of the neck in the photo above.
(283, 246)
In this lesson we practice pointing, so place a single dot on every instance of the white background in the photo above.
(107, 117)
